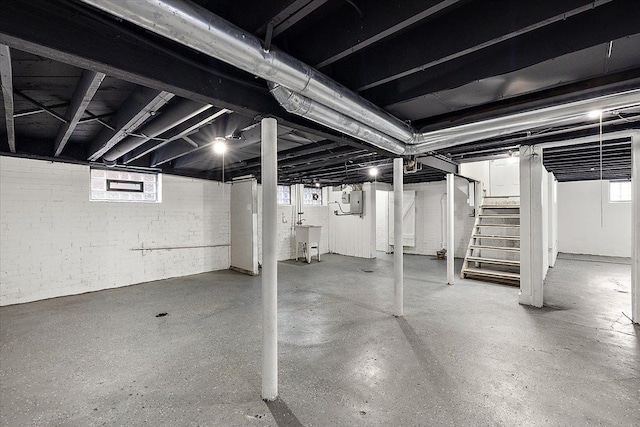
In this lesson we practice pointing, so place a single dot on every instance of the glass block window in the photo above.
(284, 195)
(620, 191)
(312, 196)
(118, 186)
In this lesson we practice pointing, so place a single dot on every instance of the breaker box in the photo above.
(345, 198)
(356, 202)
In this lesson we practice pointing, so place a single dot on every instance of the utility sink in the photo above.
(309, 236)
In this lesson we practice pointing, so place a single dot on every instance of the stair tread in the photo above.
(500, 206)
(500, 225)
(491, 236)
(493, 260)
(501, 216)
(492, 273)
(495, 248)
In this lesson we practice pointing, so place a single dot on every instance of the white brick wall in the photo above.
(55, 242)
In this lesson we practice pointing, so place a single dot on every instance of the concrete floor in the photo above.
(466, 354)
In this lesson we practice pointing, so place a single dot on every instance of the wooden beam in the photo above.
(85, 90)
(141, 104)
(7, 95)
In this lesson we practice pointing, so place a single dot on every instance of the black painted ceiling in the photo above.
(434, 63)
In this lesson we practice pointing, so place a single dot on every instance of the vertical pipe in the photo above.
(450, 243)
(635, 227)
(269, 261)
(398, 308)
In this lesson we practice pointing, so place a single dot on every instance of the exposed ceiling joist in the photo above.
(590, 28)
(180, 132)
(6, 79)
(85, 90)
(141, 104)
(439, 164)
(288, 17)
(490, 27)
(348, 34)
(170, 117)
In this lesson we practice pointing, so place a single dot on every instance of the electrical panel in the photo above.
(356, 202)
(345, 198)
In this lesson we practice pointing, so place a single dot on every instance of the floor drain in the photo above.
(161, 314)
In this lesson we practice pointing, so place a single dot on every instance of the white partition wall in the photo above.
(531, 227)
(635, 230)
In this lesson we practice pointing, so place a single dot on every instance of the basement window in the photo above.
(619, 191)
(120, 186)
(312, 196)
(284, 195)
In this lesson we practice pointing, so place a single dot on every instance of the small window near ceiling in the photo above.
(284, 195)
(313, 196)
(119, 186)
(620, 191)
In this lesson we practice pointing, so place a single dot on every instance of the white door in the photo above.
(244, 226)
(505, 177)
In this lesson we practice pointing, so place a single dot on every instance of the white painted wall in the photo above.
(499, 177)
(579, 227)
(287, 217)
(351, 235)
(382, 221)
(55, 242)
(553, 219)
(429, 221)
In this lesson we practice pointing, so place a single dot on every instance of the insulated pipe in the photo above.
(269, 159)
(500, 126)
(194, 26)
(302, 106)
(170, 118)
(450, 222)
(398, 270)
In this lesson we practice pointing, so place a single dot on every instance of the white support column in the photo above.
(635, 227)
(398, 306)
(531, 248)
(450, 222)
(269, 259)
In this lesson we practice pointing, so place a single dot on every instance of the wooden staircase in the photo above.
(493, 254)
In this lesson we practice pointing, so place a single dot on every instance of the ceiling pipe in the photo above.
(304, 91)
(171, 117)
(194, 26)
(304, 107)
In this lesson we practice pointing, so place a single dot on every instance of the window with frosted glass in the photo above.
(313, 196)
(620, 191)
(119, 186)
(284, 195)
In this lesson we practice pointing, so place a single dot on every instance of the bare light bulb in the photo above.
(220, 146)
(373, 172)
(317, 184)
(594, 114)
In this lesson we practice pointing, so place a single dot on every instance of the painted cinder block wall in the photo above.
(580, 228)
(54, 241)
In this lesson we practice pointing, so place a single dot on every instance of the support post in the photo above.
(398, 306)
(635, 227)
(269, 259)
(531, 249)
(450, 237)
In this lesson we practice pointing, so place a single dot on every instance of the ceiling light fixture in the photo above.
(373, 172)
(594, 114)
(219, 146)
(317, 184)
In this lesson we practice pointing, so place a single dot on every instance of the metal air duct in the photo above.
(194, 26)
